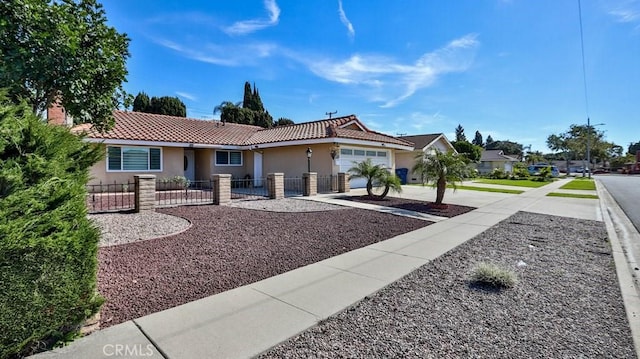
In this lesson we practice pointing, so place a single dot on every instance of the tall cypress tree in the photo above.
(477, 140)
(248, 99)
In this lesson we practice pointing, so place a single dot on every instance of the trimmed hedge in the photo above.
(48, 247)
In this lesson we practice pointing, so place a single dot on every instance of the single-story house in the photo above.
(169, 146)
(492, 159)
(422, 144)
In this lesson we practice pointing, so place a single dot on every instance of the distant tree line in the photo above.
(165, 105)
(566, 146)
(250, 111)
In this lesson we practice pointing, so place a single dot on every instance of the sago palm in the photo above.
(441, 169)
(377, 176)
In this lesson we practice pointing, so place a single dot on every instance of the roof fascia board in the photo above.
(111, 141)
(338, 140)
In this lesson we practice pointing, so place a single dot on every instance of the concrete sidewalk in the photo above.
(246, 321)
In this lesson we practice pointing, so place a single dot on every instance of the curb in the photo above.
(624, 262)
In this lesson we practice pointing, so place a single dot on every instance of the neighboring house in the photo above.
(422, 144)
(169, 146)
(492, 159)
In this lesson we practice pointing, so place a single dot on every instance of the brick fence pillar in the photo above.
(275, 185)
(145, 192)
(221, 188)
(343, 182)
(310, 183)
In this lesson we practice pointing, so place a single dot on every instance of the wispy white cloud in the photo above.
(627, 11)
(625, 15)
(393, 81)
(223, 55)
(186, 95)
(345, 21)
(249, 26)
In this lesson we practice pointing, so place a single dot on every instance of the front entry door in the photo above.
(190, 165)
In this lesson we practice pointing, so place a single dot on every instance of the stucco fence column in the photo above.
(145, 193)
(275, 185)
(343, 182)
(221, 188)
(310, 183)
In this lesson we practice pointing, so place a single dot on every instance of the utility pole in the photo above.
(330, 113)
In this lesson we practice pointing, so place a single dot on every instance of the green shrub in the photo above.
(492, 275)
(544, 175)
(175, 182)
(498, 173)
(48, 247)
(520, 171)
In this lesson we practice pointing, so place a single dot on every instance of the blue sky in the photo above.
(511, 69)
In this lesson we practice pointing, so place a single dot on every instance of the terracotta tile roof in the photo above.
(322, 129)
(138, 126)
(161, 128)
(421, 141)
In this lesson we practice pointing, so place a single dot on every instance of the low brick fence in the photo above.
(142, 195)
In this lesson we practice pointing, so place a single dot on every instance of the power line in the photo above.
(584, 68)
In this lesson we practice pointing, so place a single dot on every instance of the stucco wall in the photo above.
(172, 165)
(292, 160)
(234, 171)
(406, 159)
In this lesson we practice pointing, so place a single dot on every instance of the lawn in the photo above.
(581, 184)
(515, 183)
(572, 195)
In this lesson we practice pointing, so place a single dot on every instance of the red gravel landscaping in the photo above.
(227, 248)
(452, 210)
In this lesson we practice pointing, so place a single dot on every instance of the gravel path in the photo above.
(566, 304)
(285, 205)
(119, 228)
(229, 247)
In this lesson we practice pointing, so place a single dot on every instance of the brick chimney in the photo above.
(56, 115)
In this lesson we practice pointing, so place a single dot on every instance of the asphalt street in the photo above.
(625, 189)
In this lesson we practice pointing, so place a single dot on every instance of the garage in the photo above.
(349, 155)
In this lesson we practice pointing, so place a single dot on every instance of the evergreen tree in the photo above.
(460, 134)
(282, 121)
(257, 101)
(142, 103)
(252, 111)
(489, 144)
(247, 100)
(48, 245)
(167, 105)
(470, 151)
(477, 140)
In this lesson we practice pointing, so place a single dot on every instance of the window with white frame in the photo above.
(228, 158)
(121, 158)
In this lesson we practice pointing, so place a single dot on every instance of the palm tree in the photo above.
(441, 168)
(377, 177)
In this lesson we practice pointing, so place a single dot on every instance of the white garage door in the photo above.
(349, 155)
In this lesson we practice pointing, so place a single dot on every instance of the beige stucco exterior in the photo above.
(172, 165)
(292, 160)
